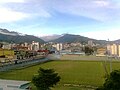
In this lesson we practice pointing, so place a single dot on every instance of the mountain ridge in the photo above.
(11, 36)
(69, 38)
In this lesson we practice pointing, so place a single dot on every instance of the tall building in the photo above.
(119, 50)
(113, 49)
(35, 46)
(90, 42)
(58, 46)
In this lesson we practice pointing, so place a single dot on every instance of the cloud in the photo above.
(96, 9)
(112, 34)
(101, 3)
(35, 8)
(12, 1)
(105, 11)
(8, 15)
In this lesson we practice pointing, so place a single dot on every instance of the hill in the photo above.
(69, 38)
(117, 41)
(16, 37)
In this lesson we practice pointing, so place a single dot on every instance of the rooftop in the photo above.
(13, 84)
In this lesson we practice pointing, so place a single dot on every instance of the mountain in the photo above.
(69, 38)
(6, 32)
(50, 37)
(16, 37)
(117, 41)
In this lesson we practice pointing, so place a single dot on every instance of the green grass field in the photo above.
(73, 72)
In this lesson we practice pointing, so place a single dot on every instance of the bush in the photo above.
(112, 82)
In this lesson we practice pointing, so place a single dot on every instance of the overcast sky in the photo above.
(99, 19)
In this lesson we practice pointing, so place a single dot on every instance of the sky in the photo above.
(98, 19)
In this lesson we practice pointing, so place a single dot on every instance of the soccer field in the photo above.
(74, 73)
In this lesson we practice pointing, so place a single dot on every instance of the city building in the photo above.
(113, 49)
(101, 51)
(90, 43)
(58, 46)
(35, 46)
(7, 46)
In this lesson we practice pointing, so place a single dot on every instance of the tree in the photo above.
(88, 50)
(1, 45)
(112, 82)
(45, 79)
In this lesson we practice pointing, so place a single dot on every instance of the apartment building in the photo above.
(90, 42)
(113, 49)
(58, 46)
(35, 46)
(101, 51)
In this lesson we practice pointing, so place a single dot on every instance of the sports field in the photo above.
(75, 74)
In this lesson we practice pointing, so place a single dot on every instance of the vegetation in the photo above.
(1, 45)
(45, 79)
(112, 82)
(74, 74)
(88, 50)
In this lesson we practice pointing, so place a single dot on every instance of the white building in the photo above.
(90, 42)
(119, 50)
(58, 46)
(7, 46)
(35, 46)
(113, 49)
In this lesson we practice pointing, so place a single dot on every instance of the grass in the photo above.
(73, 72)
(79, 57)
